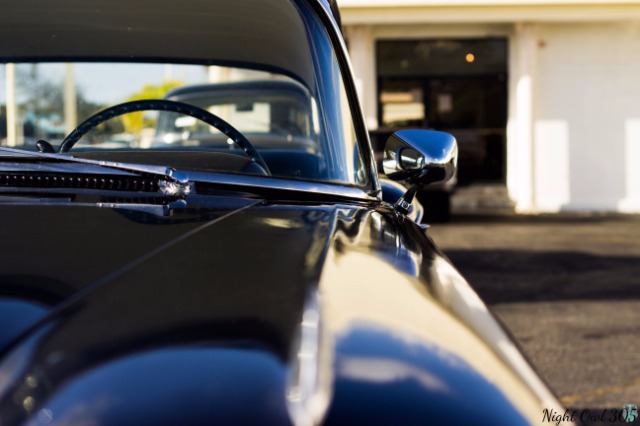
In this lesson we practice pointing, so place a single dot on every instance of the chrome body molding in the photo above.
(248, 182)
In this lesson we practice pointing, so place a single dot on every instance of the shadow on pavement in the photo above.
(507, 276)
(567, 288)
(555, 218)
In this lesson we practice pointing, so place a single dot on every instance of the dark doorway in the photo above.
(458, 86)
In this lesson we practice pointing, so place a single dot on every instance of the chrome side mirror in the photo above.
(419, 157)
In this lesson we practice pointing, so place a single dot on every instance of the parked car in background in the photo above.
(273, 111)
(250, 271)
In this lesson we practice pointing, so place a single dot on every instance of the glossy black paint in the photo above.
(197, 320)
(201, 291)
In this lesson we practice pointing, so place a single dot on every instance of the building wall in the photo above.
(573, 134)
(587, 117)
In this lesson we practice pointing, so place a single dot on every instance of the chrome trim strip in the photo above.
(346, 69)
(159, 210)
(268, 182)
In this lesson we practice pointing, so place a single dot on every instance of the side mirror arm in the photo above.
(419, 158)
(404, 203)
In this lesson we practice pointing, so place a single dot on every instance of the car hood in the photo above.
(102, 289)
(241, 309)
(180, 266)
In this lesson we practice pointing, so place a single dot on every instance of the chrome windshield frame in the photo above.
(336, 37)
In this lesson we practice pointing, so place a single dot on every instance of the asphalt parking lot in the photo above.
(568, 288)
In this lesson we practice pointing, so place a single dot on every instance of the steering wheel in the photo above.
(165, 105)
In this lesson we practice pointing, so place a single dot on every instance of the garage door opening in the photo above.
(455, 85)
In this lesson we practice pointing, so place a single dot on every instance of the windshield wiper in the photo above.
(170, 181)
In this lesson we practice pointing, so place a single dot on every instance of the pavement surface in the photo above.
(567, 287)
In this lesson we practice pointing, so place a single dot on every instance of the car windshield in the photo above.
(275, 81)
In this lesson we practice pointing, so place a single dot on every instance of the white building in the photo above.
(563, 104)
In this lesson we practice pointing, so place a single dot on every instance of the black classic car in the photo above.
(254, 272)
